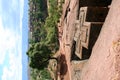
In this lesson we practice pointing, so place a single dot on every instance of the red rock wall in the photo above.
(104, 63)
(66, 32)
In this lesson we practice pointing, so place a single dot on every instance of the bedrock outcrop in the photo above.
(104, 62)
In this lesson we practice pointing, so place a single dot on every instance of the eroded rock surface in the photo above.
(66, 32)
(104, 62)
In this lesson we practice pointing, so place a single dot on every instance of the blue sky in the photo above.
(13, 39)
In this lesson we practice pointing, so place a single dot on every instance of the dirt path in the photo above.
(66, 34)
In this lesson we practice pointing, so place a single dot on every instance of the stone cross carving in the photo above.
(88, 28)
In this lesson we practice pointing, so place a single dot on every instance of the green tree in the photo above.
(39, 55)
(44, 41)
(45, 75)
(40, 74)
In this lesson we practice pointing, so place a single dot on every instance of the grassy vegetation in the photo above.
(43, 24)
(40, 74)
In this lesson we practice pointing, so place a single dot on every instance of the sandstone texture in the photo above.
(66, 32)
(104, 62)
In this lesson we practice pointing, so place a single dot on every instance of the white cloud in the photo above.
(14, 4)
(13, 72)
(9, 41)
(21, 13)
(3, 46)
(0, 6)
(11, 44)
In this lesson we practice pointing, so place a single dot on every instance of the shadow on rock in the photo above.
(63, 65)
